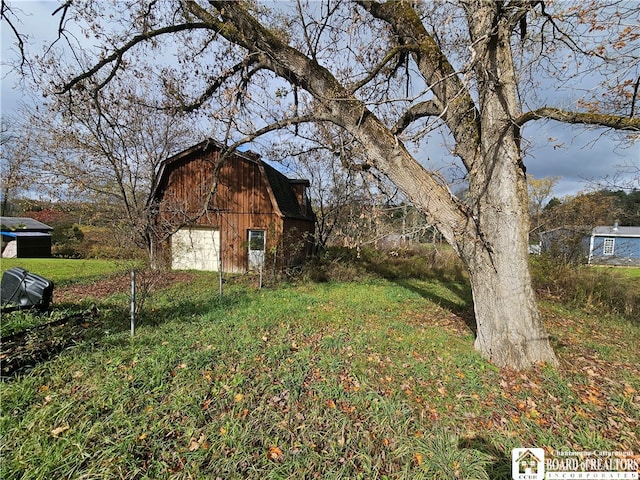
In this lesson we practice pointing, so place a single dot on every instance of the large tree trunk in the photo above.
(509, 332)
(509, 329)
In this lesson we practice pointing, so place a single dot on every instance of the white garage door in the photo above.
(195, 249)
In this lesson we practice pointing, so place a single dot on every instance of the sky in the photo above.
(577, 155)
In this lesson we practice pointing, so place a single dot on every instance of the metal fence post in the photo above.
(133, 302)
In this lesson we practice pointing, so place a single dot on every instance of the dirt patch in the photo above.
(111, 285)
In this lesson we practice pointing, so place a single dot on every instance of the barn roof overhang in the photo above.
(23, 224)
(277, 183)
(205, 145)
(24, 234)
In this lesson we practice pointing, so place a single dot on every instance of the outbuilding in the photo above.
(24, 237)
(233, 213)
(615, 245)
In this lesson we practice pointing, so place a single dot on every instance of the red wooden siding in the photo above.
(242, 201)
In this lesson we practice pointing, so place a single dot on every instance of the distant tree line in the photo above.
(603, 207)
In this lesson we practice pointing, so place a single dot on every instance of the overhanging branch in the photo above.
(5, 11)
(599, 119)
(280, 124)
(420, 110)
(216, 84)
(116, 56)
(398, 50)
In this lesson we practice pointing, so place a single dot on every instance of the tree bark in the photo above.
(509, 329)
(510, 332)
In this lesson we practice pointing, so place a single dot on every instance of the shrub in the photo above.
(109, 243)
(350, 264)
(594, 289)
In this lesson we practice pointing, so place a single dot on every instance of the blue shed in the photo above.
(615, 246)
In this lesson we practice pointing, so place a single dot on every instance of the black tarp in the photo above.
(21, 289)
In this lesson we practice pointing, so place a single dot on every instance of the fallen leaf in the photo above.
(274, 454)
(195, 444)
(346, 408)
(58, 430)
(238, 397)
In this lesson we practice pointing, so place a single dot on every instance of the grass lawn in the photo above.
(368, 379)
(64, 271)
(628, 272)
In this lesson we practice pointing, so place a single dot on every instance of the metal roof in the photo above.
(285, 198)
(25, 224)
(615, 231)
(24, 234)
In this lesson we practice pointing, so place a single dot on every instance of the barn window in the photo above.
(607, 248)
(256, 249)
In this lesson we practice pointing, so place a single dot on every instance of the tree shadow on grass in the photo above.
(457, 300)
(500, 467)
(463, 308)
(113, 315)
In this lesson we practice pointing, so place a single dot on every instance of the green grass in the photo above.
(599, 290)
(64, 271)
(628, 272)
(367, 379)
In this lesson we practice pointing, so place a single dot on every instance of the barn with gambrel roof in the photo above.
(229, 212)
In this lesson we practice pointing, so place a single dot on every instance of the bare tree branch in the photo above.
(216, 84)
(461, 114)
(394, 52)
(599, 119)
(419, 110)
(117, 55)
(65, 8)
(5, 11)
